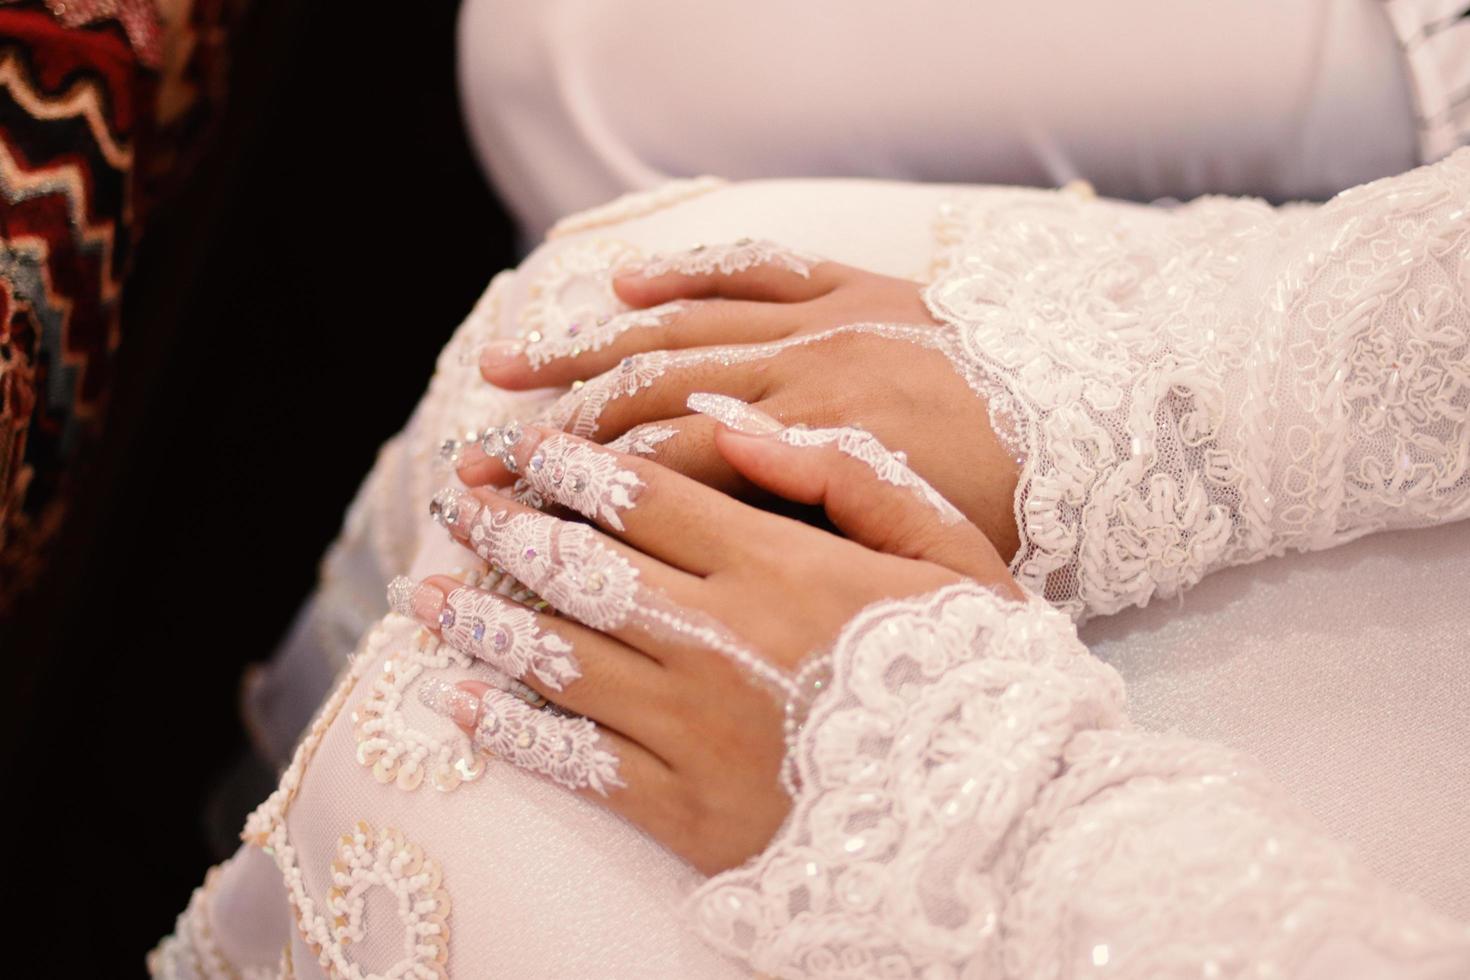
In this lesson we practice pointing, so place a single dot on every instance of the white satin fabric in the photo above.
(1344, 672)
(571, 102)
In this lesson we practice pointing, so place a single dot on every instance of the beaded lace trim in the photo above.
(973, 803)
(1219, 383)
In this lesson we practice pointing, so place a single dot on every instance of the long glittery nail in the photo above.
(454, 510)
(442, 697)
(733, 413)
(419, 600)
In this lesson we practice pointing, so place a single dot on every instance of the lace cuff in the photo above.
(1219, 383)
(974, 804)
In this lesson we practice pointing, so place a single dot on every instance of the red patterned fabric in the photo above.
(89, 132)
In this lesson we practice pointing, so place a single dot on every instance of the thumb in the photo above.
(869, 493)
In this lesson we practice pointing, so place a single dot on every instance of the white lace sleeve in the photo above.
(974, 804)
(1211, 385)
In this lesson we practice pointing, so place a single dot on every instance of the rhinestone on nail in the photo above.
(446, 618)
(477, 632)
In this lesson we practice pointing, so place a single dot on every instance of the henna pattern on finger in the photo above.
(578, 338)
(495, 629)
(643, 440)
(579, 410)
(729, 258)
(508, 637)
(564, 563)
(582, 476)
(856, 443)
(564, 748)
(570, 566)
(890, 467)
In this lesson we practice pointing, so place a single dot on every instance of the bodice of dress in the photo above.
(1209, 386)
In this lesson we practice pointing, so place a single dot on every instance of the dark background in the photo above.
(282, 321)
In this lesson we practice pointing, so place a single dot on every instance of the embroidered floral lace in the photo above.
(975, 804)
(1209, 386)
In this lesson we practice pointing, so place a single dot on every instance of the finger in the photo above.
(869, 493)
(686, 445)
(573, 751)
(663, 514)
(653, 386)
(589, 349)
(596, 580)
(746, 269)
(548, 657)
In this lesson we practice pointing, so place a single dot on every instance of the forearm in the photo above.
(1222, 383)
(973, 799)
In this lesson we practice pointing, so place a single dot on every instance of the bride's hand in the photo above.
(686, 618)
(907, 395)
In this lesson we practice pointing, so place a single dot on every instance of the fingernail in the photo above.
(734, 413)
(442, 697)
(499, 444)
(420, 600)
(454, 510)
(470, 454)
(496, 354)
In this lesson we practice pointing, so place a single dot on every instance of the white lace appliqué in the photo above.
(973, 803)
(1219, 383)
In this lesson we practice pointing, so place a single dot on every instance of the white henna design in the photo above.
(643, 440)
(564, 563)
(578, 338)
(890, 467)
(579, 410)
(568, 565)
(561, 747)
(506, 635)
(859, 444)
(582, 476)
(747, 253)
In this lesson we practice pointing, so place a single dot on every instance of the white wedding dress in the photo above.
(1192, 389)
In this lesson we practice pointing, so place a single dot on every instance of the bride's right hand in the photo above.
(686, 620)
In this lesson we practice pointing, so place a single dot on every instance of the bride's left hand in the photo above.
(684, 618)
(775, 336)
